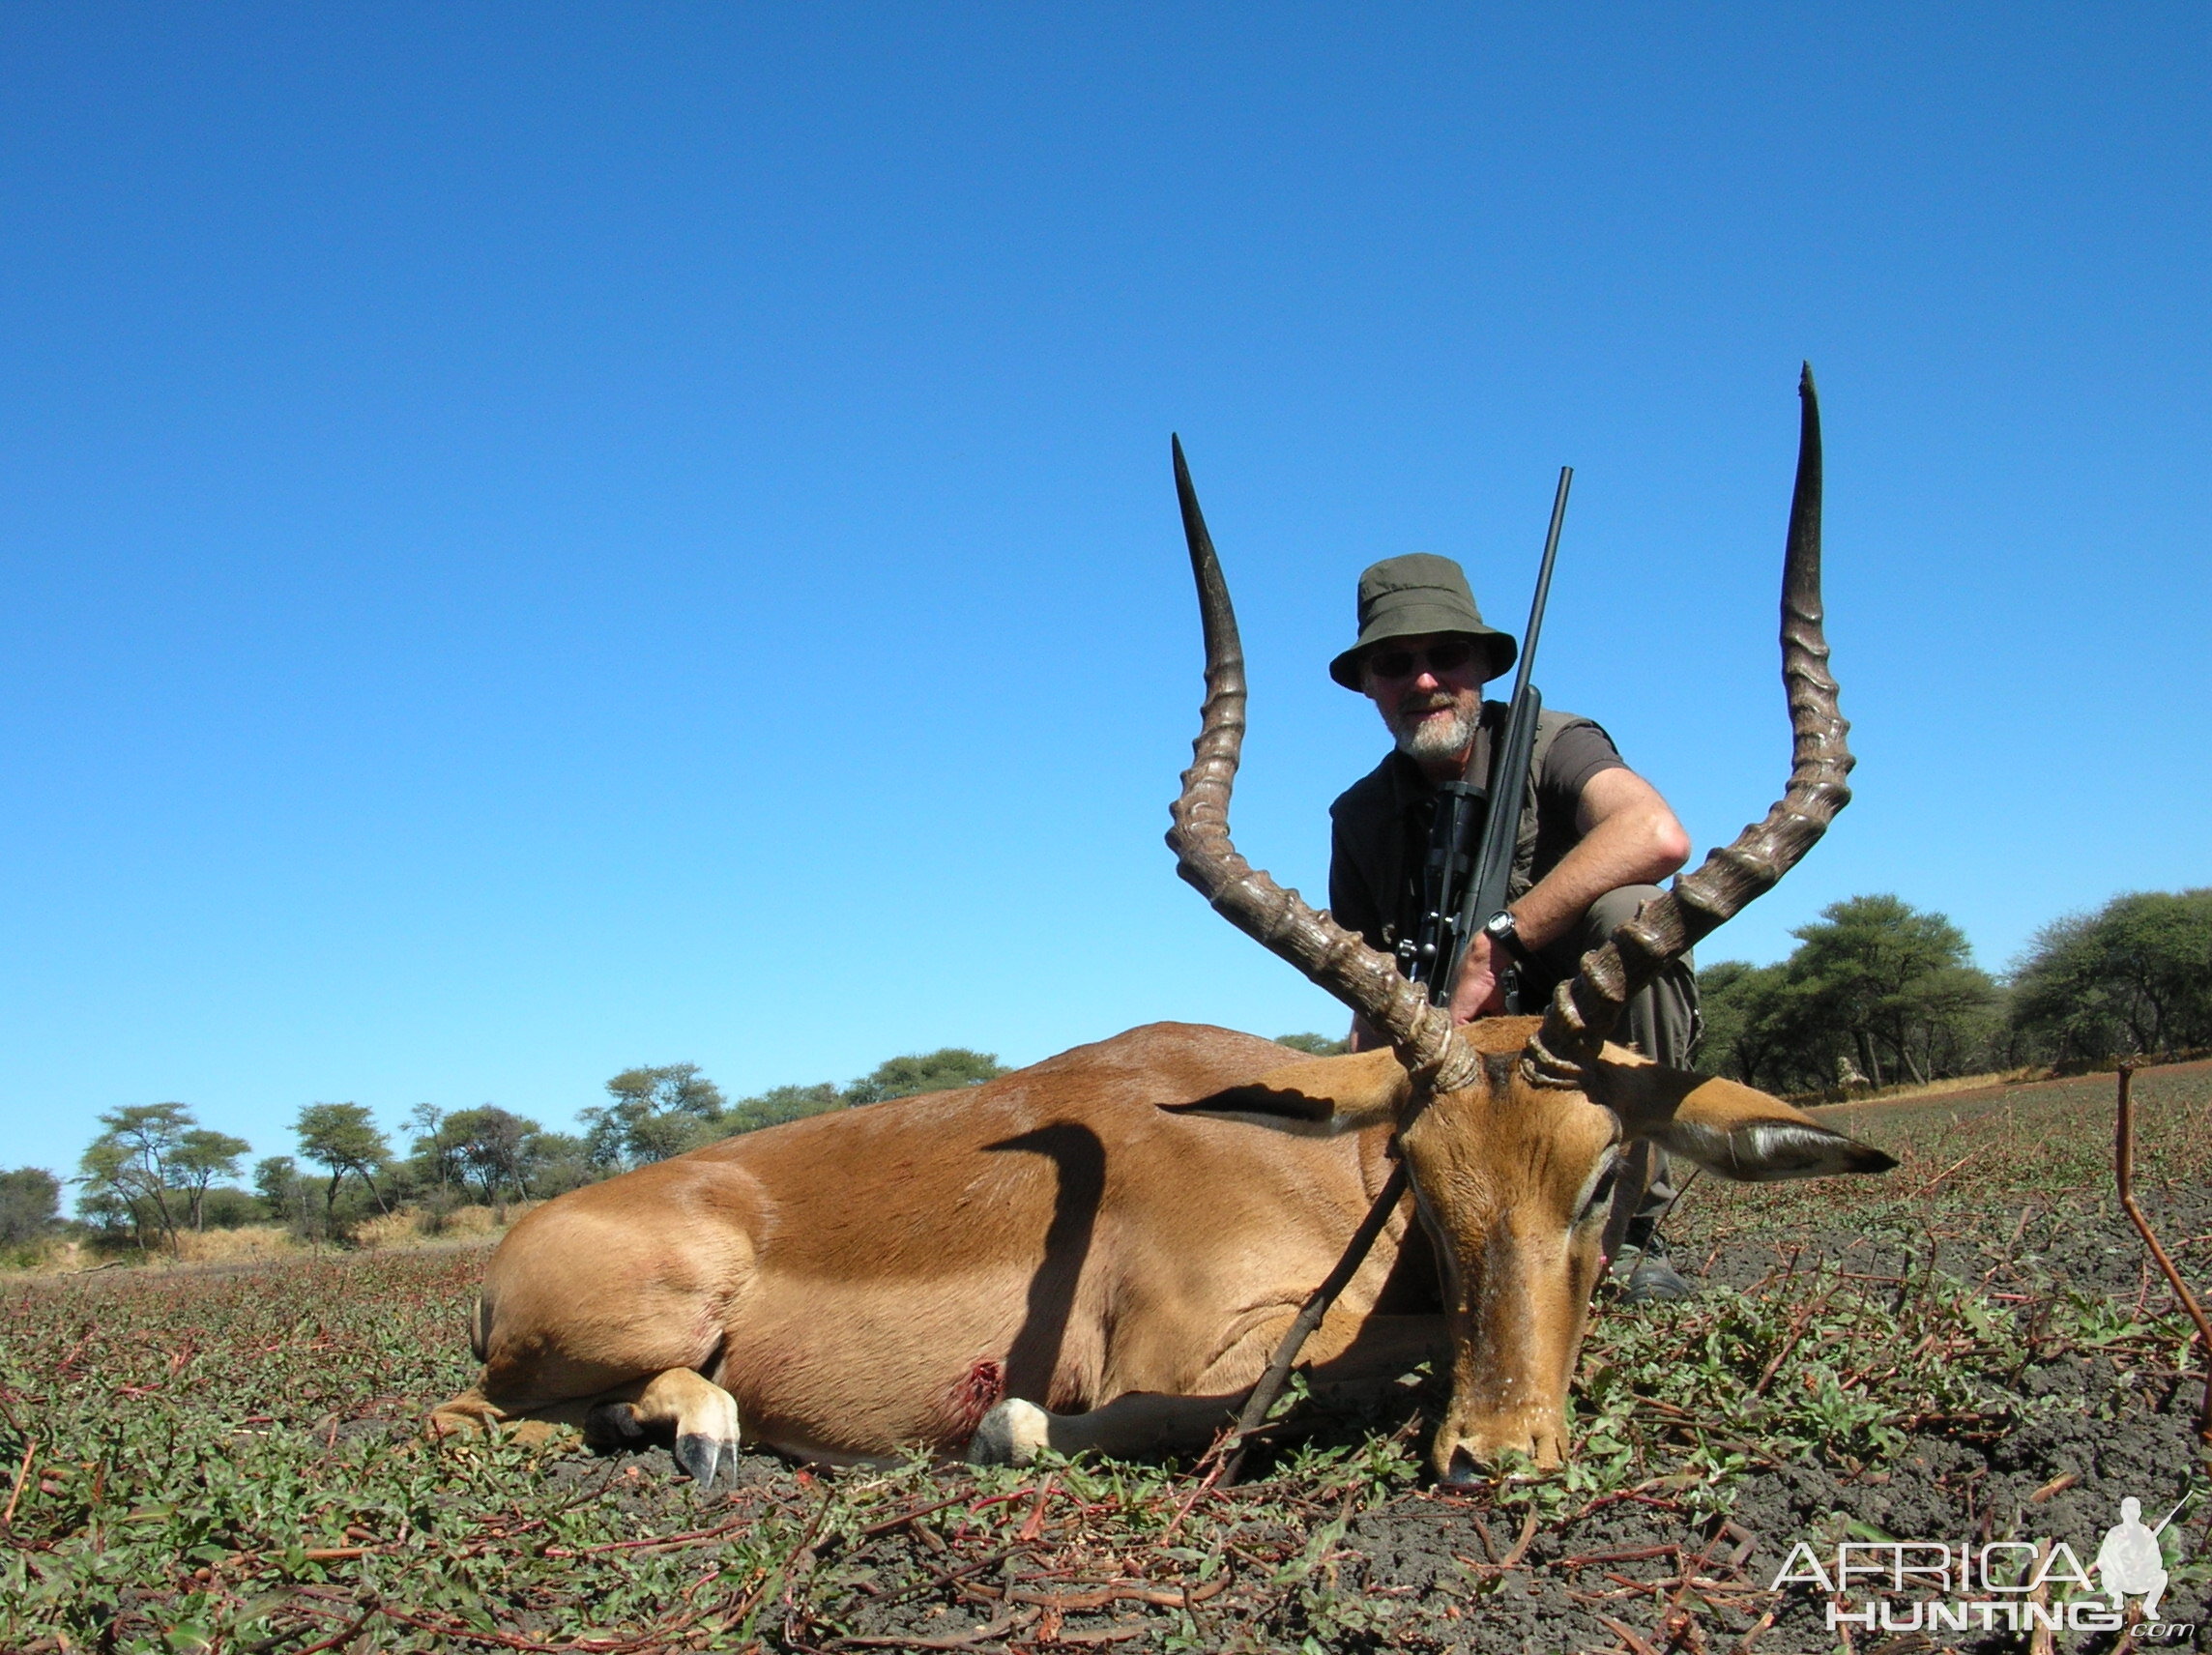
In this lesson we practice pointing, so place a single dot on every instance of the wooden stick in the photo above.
(22, 1474)
(1309, 1318)
(2124, 1171)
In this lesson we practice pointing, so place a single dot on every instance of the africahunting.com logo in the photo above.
(2005, 1585)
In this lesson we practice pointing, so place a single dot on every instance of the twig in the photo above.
(345, 1636)
(1626, 1637)
(891, 1523)
(1034, 1530)
(2124, 1172)
(997, 1627)
(1798, 1325)
(1512, 1558)
(22, 1475)
(1309, 1318)
(653, 1542)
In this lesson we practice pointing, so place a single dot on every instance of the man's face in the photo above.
(1429, 691)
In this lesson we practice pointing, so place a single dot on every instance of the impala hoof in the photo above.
(1012, 1434)
(701, 1457)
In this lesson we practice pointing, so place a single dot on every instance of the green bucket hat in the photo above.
(1412, 596)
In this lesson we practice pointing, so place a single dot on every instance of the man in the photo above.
(1595, 838)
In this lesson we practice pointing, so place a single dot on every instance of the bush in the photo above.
(29, 1198)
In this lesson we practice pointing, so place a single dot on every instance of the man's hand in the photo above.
(1478, 993)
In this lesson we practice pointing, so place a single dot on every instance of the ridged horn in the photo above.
(1585, 1010)
(1333, 958)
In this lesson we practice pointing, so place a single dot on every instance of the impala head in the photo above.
(1513, 1128)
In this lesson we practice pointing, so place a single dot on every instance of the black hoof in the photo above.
(702, 1455)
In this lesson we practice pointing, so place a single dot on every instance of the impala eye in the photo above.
(1601, 1192)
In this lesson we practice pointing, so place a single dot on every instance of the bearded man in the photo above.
(1595, 838)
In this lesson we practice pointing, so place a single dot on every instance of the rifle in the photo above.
(1461, 891)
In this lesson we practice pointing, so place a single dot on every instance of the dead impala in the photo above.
(1101, 1251)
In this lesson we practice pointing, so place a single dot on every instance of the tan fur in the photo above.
(1122, 1232)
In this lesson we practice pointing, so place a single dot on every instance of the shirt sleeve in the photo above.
(1579, 752)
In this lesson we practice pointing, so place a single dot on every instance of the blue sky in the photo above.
(542, 538)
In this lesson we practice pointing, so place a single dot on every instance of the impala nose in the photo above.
(1507, 1449)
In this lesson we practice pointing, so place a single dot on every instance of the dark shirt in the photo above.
(1380, 825)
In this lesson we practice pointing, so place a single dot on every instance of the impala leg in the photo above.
(472, 1414)
(1130, 1427)
(1144, 1423)
(702, 1414)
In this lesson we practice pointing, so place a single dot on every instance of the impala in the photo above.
(1103, 1250)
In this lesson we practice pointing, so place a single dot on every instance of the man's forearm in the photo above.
(1636, 847)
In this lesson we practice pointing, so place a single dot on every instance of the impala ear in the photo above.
(1725, 1127)
(1324, 1094)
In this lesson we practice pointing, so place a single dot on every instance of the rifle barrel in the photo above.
(1543, 583)
(1493, 871)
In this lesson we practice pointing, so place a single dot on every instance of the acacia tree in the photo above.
(436, 1156)
(1755, 1029)
(1875, 991)
(340, 1138)
(126, 1169)
(1893, 980)
(2135, 975)
(201, 1157)
(656, 1112)
(946, 1070)
(287, 1196)
(497, 1149)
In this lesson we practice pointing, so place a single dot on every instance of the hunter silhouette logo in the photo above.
(2129, 1562)
(2000, 1585)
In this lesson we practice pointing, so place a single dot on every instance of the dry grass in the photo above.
(1992, 1080)
(53, 1257)
(412, 1225)
(242, 1245)
(256, 1244)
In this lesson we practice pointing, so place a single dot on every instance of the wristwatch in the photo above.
(1499, 928)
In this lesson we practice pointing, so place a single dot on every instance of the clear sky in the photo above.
(538, 538)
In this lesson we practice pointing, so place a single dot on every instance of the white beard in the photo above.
(1433, 741)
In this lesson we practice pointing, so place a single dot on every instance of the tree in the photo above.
(341, 1138)
(2135, 975)
(946, 1070)
(560, 1162)
(437, 1158)
(1895, 980)
(29, 1198)
(497, 1149)
(201, 1157)
(276, 1181)
(1315, 1045)
(656, 1112)
(779, 1104)
(126, 1169)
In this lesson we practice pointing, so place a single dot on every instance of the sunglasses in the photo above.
(1445, 657)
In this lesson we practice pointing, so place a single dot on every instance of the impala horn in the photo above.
(1584, 1011)
(1333, 958)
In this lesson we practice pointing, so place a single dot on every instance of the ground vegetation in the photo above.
(1971, 1349)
